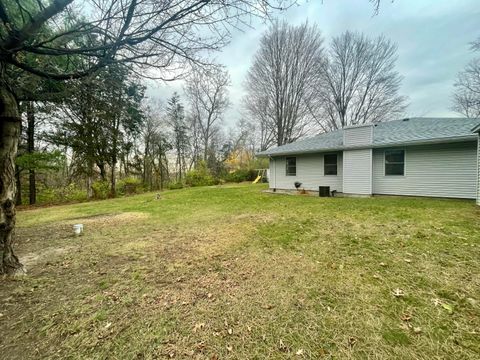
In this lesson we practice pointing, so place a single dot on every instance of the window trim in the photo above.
(336, 164)
(286, 165)
(404, 162)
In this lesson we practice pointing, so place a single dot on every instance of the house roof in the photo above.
(410, 131)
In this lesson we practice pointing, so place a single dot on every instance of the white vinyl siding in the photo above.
(442, 170)
(309, 173)
(357, 172)
(357, 136)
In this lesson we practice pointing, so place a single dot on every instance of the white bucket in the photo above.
(78, 229)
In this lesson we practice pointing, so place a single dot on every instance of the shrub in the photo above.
(129, 185)
(241, 175)
(201, 176)
(101, 189)
(175, 185)
(67, 193)
(44, 196)
(73, 193)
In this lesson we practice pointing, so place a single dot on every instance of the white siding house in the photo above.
(357, 170)
(310, 172)
(441, 170)
(414, 157)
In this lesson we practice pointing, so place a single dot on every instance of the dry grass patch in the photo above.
(231, 273)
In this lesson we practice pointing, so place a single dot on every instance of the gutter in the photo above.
(453, 139)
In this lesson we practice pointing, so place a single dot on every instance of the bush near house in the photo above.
(201, 176)
(241, 175)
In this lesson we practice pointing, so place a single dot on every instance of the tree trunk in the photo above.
(113, 181)
(18, 196)
(114, 158)
(10, 122)
(90, 180)
(103, 172)
(32, 188)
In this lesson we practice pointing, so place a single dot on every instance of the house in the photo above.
(436, 157)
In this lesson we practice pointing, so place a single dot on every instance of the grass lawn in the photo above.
(233, 273)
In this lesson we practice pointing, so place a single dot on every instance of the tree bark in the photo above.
(89, 179)
(32, 188)
(103, 171)
(18, 196)
(10, 122)
(115, 130)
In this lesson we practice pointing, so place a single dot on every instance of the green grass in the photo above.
(232, 272)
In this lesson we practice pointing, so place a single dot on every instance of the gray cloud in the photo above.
(433, 45)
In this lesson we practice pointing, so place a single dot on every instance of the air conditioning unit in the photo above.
(324, 191)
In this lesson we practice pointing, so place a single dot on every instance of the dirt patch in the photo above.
(34, 258)
(108, 219)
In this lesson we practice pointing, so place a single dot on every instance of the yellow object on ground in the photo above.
(257, 179)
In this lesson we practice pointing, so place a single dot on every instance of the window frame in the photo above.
(325, 164)
(287, 167)
(385, 162)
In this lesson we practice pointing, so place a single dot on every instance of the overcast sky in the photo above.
(433, 39)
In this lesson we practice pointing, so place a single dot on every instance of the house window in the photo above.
(291, 169)
(330, 164)
(394, 162)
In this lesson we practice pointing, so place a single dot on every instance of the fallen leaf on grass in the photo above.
(282, 346)
(198, 326)
(448, 307)
(471, 301)
(352, 341)
(398, 293)
(299, 352)
(199, 347)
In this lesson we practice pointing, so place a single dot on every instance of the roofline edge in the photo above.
(455, 139)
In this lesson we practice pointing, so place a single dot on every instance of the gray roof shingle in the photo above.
(397, 132)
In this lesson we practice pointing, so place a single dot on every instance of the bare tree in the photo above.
(257, 112)
(466, 98)
(359, 83)
(48, 38)
(156, 146)
(281, 81)
(194, 133)
(175, 116)
(207, 92)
